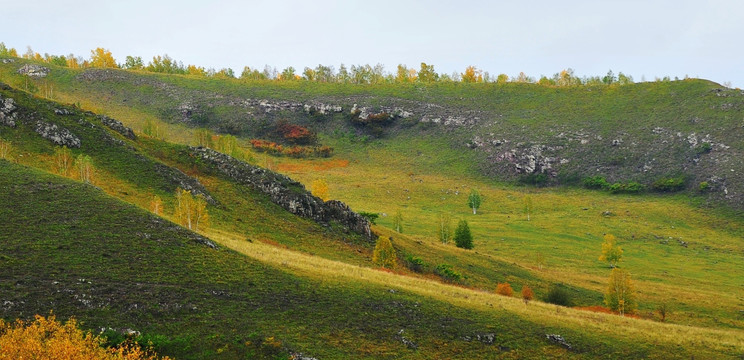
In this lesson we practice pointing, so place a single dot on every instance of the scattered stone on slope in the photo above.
(34, 70)
(300, 356)
(7, 61)
(118, 126)
(62, 112)
(7, 112)
(57, 134)
(407, 342)
(558, 340)
(285, 192)
(322, 109)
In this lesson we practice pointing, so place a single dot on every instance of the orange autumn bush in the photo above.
(504, 289)
(48, 339)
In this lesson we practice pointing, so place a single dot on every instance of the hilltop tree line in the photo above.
(354, 74)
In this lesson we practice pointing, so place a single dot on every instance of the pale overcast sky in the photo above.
(650, 38)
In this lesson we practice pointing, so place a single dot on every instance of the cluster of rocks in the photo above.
(34, 70)
(531, 160)
(285, 192)
(487, 339)
(558, 340)
(7, 112)
(7, 61)
(118, 126)
(57, 134)
(322, 109)
(364, 113)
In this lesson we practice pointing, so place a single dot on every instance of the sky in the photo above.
(642, 38)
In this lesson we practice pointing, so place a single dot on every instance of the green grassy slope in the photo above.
(113, 265)
(641, 132)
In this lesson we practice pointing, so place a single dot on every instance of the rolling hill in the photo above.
(270, 277)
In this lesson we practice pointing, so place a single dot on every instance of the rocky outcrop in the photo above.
(7, 112)
(34, 70)
(285, 192)
(118, 126)
(531, 160)
(57, 134)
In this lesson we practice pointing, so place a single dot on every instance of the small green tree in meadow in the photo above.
(528, 206)
(384, 254)
(445, 228)
(463, 237)
(611, 251)
(398, 222)
(620, 295)
(474, 200)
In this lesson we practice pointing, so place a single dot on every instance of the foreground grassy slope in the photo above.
(113, 265)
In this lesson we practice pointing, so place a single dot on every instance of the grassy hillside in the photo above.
(642, 132)
(115, 266)
(319, 285)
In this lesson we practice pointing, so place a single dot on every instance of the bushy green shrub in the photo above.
(669, 184)
(448, 273)
(704, 148)
(415, 263)
(370, 216)
(627, 188)
(704, 186)
(595, 182)
(558, 295)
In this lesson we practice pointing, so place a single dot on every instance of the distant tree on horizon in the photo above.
(102, 58)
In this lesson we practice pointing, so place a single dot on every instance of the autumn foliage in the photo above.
(46, 338)
(293, 151)
(295, 134)
(527, 293)
(504, 289)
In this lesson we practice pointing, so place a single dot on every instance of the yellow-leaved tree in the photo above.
(63, 160)
(611, 251)
(319, 188)
(191, 211)
(384, 253)
(46, 338)
(620, 295)
(102, 58)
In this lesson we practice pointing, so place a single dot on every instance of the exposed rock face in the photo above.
(7, 112)
(117, 126)
(34, 70)
(62, 112)
(57, 134)
(530, 160)
(285, 192)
